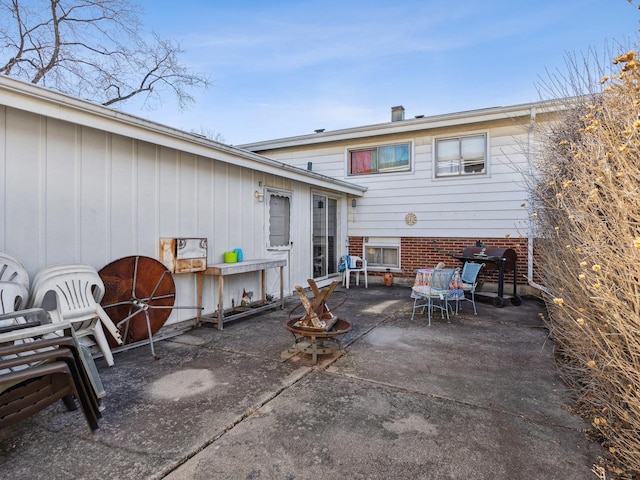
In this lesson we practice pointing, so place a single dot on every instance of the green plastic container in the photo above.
(230, 257)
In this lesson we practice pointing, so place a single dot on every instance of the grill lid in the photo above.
(492, 254)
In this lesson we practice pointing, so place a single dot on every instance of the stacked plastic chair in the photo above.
(36, 372)
(12, 270)
(39, 365)
(78, 290)
(14, 292)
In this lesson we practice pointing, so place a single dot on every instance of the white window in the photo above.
(461, 156)
(279, 225)
(382, 255)
(383, 159)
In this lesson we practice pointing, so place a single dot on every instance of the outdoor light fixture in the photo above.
(353, 202)
(258, 195)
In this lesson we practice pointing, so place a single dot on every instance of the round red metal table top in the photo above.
(131, 283)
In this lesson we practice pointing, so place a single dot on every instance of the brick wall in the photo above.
(422, 252)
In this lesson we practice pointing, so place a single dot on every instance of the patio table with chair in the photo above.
(423, 278)
(423, 289)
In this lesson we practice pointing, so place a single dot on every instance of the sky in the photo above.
(283, 68)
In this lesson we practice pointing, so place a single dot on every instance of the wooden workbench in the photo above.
(222, 270)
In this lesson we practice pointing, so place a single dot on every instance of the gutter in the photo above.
(530, 236)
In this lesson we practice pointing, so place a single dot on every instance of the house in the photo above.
(435, 185)
(82, 183)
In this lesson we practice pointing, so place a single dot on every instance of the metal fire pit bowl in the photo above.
(316, 342)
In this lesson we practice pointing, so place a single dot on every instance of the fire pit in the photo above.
(316, 342)
(316, 332)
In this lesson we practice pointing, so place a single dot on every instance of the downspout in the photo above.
(530, 140)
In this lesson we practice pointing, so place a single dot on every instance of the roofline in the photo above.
(43, 101)
(411, 125)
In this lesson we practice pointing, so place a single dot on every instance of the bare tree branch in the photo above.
(92, 49)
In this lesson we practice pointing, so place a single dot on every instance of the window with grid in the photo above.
(383, 159)
(461, 156)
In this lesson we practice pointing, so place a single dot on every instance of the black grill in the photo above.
(504, 260)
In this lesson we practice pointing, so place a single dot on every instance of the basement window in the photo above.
(382, 256)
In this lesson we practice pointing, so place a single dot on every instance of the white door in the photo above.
(325, 236)
(278, 235)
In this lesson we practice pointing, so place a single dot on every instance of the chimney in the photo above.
(397, 113)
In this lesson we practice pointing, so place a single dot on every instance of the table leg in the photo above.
(500, 279)
(220, 301)
(314, 350)
(281, 288)
(199, 279)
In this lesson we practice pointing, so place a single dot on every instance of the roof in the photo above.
(411, 125)
(39, 100)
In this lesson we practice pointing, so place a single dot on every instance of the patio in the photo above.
(478, 398)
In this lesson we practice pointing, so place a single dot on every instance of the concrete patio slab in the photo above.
(477, 398)
(330, 426)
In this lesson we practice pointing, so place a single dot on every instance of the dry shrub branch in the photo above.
(587, 220)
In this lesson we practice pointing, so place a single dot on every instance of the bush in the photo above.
(586, 214)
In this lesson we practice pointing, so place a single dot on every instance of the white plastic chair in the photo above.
(351, 266)
(12, 296)
(98, 293)
(78, 290)
(12, 270)
(14, 322)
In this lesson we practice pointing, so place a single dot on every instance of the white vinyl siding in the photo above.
(478, 206)
(77, 194)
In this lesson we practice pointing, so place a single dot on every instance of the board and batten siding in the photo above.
(76, 194)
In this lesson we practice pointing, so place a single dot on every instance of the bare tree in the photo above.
(92, 49)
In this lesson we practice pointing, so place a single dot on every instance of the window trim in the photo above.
(338, 235)
(387, 243)
(461, 173)
(376, 147)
